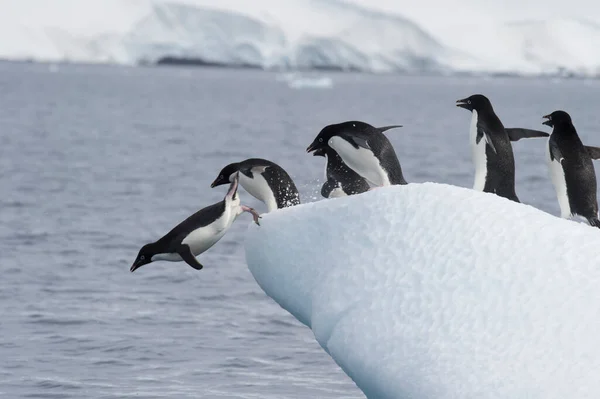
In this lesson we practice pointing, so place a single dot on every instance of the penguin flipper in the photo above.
(246, 170)
(356, 141)
(555, 152)
(517, 133)
(186, 254)
(593, 151)
(250, 170)
(481, 134)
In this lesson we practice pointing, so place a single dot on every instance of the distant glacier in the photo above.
(315, 34)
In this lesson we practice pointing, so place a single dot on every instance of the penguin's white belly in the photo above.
(259, 188)
(361, 160)
(198, 240)
(557, 174)
(479, 155)
(203, 238)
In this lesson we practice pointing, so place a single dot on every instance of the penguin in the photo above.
(341, 180)
(571, 169)
(197, 233)
(264, 180)
(491, 149)
(364, 149)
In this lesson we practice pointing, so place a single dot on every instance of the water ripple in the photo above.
(97, 161)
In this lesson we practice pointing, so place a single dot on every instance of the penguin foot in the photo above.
(255, 214)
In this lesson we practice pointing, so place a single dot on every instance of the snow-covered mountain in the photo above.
(328, 34)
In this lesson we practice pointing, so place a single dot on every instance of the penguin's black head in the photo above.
(144, 257)
(226, 175)
(475, 102)
(557, 118)
(321, 142)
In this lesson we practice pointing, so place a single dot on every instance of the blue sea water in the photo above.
(96, 161)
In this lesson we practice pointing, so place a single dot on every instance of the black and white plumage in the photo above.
(491, 148)
(197, 233)
(264, 180)
(364, 149)
(340, 181)
(571, 169)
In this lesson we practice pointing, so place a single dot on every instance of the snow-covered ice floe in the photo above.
(436, 291)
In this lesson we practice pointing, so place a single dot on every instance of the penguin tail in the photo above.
(594, 221)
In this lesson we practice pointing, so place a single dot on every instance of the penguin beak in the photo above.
(220, 180)
(319, 152)
(547, 122)
(464, 103)
(137, 264)
(315, 145)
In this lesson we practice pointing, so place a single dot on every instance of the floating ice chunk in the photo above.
(298, 81)
(435, 291)
(323, 82)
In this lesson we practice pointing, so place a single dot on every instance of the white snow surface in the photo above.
(377, 36)
(436, 291)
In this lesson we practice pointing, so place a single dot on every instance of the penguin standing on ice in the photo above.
(490, 144)
(197, 233)
(364, 149)
(571, 169)
(264, 180)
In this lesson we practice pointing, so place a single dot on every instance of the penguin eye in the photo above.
(468, 101)
(320, 139)
(221, 176)
(142, 257)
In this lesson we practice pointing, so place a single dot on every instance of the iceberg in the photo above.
(295, 81)
(302, 34)
(436, 291)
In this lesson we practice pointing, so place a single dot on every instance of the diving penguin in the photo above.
(197, 233)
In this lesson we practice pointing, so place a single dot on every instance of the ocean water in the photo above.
(96, 161)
